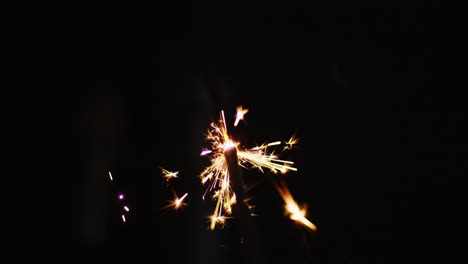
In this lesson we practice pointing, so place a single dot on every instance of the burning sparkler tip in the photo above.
(229, 145)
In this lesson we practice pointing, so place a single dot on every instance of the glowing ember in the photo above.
(240, 114)
(177, 202)
(169, 174)
(295, 212)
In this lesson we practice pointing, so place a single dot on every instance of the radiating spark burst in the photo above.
(216, 174)
(177, 203)
(169, 174)
(292, 141)
(240, 114)
(295, 212)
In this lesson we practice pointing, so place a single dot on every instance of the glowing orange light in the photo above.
(169, 174)
(295, 212)
(240, 114)
(177, 202)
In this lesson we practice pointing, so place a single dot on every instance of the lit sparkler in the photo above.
(217, 174)
(223, 177)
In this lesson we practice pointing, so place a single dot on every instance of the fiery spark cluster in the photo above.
(216, 175)
(216, 179)
(176, 203)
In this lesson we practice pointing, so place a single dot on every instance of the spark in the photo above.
(295, 212)
(216, 174)
(169, 174)
(120, 197)
(240, 114)
(292, 141)
(205, 152)
(177, 202)
(220, 220)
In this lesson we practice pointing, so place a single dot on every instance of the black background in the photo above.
(131, 87)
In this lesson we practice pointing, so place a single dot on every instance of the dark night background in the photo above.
(130, 88)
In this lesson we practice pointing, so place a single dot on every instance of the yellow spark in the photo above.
(264, 146)
(220, 220)
(177, 202)
(292, 208)
(240, 114)
(169, 174)
(292, 141)
(216, 173)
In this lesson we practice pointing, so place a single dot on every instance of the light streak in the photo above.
(292, 209)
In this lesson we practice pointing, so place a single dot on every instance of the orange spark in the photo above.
(292, 141)
(220, 220)
(177, 202)
(169, 174)
(292, 208)
(240, 114)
